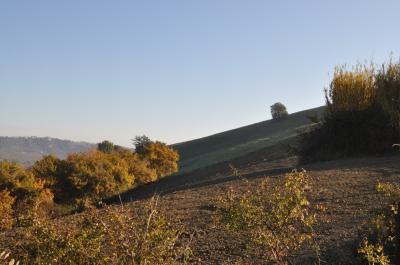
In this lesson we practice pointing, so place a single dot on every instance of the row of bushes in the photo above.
(363, 112)
(82, 177)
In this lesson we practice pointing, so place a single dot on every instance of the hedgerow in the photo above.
(362, 116)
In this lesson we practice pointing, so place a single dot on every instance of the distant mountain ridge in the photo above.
(27, 150)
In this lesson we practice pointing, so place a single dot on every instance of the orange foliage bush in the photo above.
(22, 184)
(91, 176)
(97, 175)
(162, 158)
(139, 167)
(47, 169)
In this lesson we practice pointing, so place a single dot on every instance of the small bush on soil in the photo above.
(277, 218)
(107, 236)
(382, 233)
(373, 253)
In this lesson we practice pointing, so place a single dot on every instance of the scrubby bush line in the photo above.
(80, 179)
(111, 235)
(363, 113)
(105, 172)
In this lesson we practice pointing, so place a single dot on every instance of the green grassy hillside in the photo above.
(238, 142)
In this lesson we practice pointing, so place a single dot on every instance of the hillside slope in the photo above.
(27, 150)
(344, 189)
(238, 142)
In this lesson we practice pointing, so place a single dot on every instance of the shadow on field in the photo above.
(254, 165)
(187, 181)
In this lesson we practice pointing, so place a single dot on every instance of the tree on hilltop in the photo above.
(278, 111)
(105, 146)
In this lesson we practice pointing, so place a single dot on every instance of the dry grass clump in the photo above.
(278, 218)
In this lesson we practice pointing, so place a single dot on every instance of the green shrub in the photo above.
(141, 143)
(278, 218)
(278, 111)
(105, 147)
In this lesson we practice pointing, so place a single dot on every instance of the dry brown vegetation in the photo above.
(363, 113)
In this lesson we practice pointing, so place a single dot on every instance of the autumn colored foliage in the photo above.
(20, 191)
(6, 210)
(161, 158)
(82, 177)
(363, 112)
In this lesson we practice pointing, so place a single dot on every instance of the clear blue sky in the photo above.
(175, 70)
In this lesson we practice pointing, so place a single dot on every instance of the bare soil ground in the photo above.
(345, 188)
